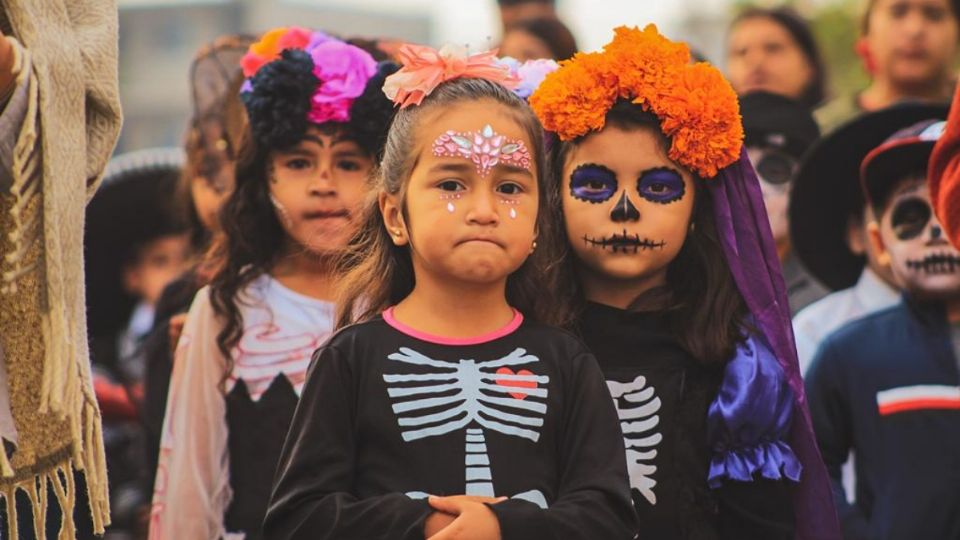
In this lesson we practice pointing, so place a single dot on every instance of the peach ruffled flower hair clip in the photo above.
(425, 68)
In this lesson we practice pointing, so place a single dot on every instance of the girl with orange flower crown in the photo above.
(317, 123)
(445, 408)
(677, 290)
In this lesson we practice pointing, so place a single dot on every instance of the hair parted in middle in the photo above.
(296, 79)
(378, 274)
(642, 80)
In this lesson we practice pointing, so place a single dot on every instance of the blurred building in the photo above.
(158, 39)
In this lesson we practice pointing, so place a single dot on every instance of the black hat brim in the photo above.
(826, 192)
(134, 204)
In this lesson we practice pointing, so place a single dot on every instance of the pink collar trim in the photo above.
(441, 340)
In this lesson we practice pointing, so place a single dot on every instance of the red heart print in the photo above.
(520, 384)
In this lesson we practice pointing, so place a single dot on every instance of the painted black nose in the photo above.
(624, 210)
(936, 232)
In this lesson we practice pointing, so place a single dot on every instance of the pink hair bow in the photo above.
(425, 68)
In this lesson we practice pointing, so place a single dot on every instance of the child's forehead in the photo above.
(472, 117)
(910, 187)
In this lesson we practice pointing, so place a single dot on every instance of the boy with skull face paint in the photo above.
(886, 386)
(677, 290)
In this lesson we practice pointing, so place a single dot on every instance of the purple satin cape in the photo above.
(744, 232)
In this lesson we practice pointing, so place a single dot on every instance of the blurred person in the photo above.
(828, 225)
(208, 178)
(945, 175)
(60, 121)
(774, 50)
(317, 120)
(134, 245)
(777, 132)
(908, 48)
(512, 11)
(886, 385)
(534, 39)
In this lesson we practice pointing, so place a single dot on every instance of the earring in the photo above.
(693, 227)
(533, 247)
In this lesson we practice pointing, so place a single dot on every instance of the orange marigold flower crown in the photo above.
(696, 106)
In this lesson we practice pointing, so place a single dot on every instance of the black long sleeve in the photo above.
(594, 495)
(386, 418)
(313, 490)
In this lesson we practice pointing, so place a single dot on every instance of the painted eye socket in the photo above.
(661, 186)
(593, 183)
(910, 217)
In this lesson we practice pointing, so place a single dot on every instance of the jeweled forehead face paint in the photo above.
(485, 148)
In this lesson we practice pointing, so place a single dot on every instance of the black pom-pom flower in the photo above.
(278, 99)
(371, 113)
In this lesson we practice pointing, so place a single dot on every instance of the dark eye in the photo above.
(450, 185)
(348, 165)
(510, 188)
(662, 186)
(297, 164)
(899, 10)
(934, 13)
(910, 217)
(593, 183)
(776, 168)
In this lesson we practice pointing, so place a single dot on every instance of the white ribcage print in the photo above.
(637, 406)
(470, 396)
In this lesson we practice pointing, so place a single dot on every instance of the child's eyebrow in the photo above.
(451, 167)
(515, 170)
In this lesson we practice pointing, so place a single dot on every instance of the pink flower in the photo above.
(425, 68)
(343, 71)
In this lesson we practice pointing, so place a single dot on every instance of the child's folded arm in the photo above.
(312, 491)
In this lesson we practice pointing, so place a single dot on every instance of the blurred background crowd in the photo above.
(804, 70)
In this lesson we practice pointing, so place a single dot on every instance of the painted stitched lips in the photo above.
(936, 263)
(623, 242)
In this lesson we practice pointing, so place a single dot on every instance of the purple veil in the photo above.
(748, 245)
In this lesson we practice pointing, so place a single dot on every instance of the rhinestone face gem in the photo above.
(485, 149)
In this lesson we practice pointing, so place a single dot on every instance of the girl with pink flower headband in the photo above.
(317, 120)
(445, 407)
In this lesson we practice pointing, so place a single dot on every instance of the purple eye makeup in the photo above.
(661, 186)
(593, 183)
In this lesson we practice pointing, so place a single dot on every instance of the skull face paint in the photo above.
(593, 183)
(661, 185)
(485, 148)
(921, 258)
(626, 205)
(775, 171)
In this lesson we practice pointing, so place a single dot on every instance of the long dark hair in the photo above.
(250, 242)
(802, 35)
(376, 274)
(703, 307)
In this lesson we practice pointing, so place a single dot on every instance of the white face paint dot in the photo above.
(513, 213)
(450, 207)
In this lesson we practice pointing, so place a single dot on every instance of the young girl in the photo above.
(317, 121)
(448, 411)
(207, 179)
(677, 291)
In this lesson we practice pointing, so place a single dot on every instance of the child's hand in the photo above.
(436, 522)
(474, 520)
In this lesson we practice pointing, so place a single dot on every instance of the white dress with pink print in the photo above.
(222, 431)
